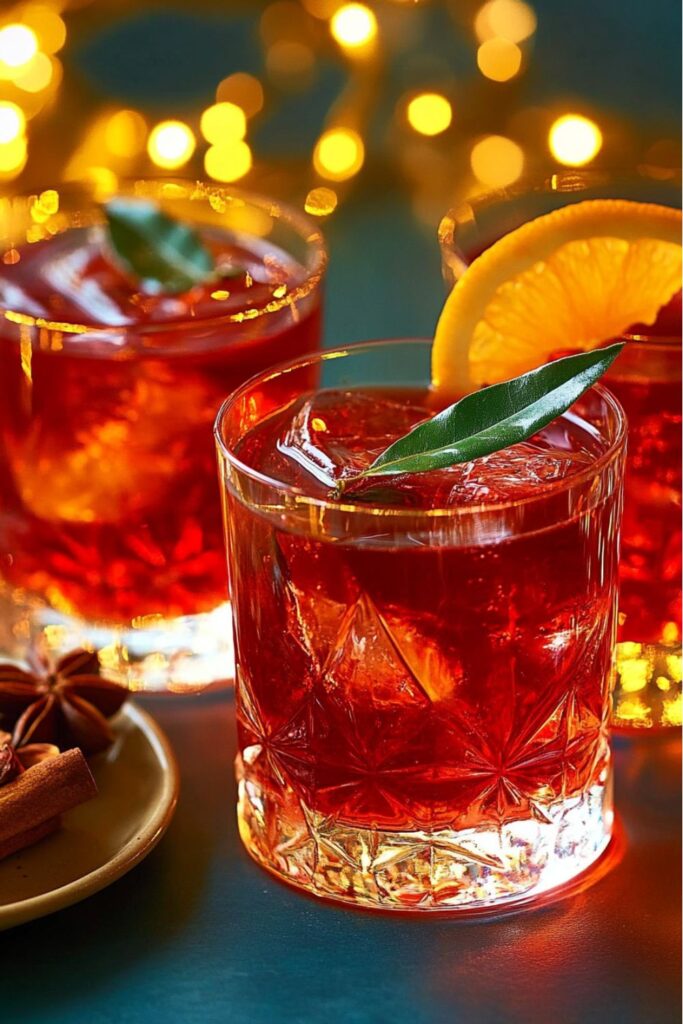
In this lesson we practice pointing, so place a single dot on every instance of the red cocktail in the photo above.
(647, 381)
(423, 677)
(648, 384)
(110, 521)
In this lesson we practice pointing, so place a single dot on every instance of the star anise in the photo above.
(67, 704)
(14, 762)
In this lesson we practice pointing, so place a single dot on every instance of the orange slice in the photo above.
(571, 279)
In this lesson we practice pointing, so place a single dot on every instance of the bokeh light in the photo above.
(353, 26)
(228, 162)
(339, 154)
(499, 59)
(513, 20)
(13, 156)
(223, 122)
(574, 140)
(288, 58)
(243, 90)
(18, 45)
(12, 122)
(171, 144)
(36, 75)
(430, 113)
(497, 161)
(47, 24)
(320, 202)
(125, 133)
(322, 9)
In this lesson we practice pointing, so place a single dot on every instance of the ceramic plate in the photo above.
(99, 841)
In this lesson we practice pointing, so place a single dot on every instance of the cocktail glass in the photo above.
(647, 381)
(423, 676)
(110, 523)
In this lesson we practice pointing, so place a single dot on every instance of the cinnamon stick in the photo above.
(28, 838)
(40, 794)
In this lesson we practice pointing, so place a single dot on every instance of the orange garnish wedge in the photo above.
(569, 280)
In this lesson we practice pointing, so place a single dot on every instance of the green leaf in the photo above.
(491, 419)
(166, 255)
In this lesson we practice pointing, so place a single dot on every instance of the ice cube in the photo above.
(335, 433)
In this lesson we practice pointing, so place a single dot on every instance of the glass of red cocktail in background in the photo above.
(423, 676)
(110, 531)
(647, 381)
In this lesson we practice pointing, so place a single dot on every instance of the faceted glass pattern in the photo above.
(422, 699)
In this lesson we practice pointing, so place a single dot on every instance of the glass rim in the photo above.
(195, 189)
(559, 181)
(300, 497)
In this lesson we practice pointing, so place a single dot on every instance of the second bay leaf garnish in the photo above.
(165, 255)
(489, 420)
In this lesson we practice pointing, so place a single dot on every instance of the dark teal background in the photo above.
(199, 935)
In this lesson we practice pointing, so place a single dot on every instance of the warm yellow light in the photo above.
(104, 184)
(339, 154)
(125, 133)
(574, 140)
(229, 161)
(288, 57)
(47, 25)
(429, 113)
(671, 633)
(36, 75)
(243, 90)
(513, 20)
(353, 25)
(497, 161)
(674, 664)
(12, 122)
(223, 122)
(634, 675)
(18, 44)
(499, 59)
(322, 9)
(320, 202)
(171, 144)
(672, 711)
(12, 156)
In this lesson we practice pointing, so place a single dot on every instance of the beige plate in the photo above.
(102, 839)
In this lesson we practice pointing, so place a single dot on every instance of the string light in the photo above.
(322, 9)
(497, 161)
(353, 26)
(13, 156)
(229, 161)
(223, 122)
(339, 154)
(513, 20)
(48, 26)
(12, 122)
(36, 75)
(125, 133)
(18, 44)
(243, 90)
(171, 144)
(430, 113)
(499, 59)
(320, 202)
(287, 58)
(574, 140)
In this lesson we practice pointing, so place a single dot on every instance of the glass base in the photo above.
(648, 688)
(183, 655)
(483, 868)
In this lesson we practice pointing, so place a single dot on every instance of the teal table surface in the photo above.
(197, 933)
